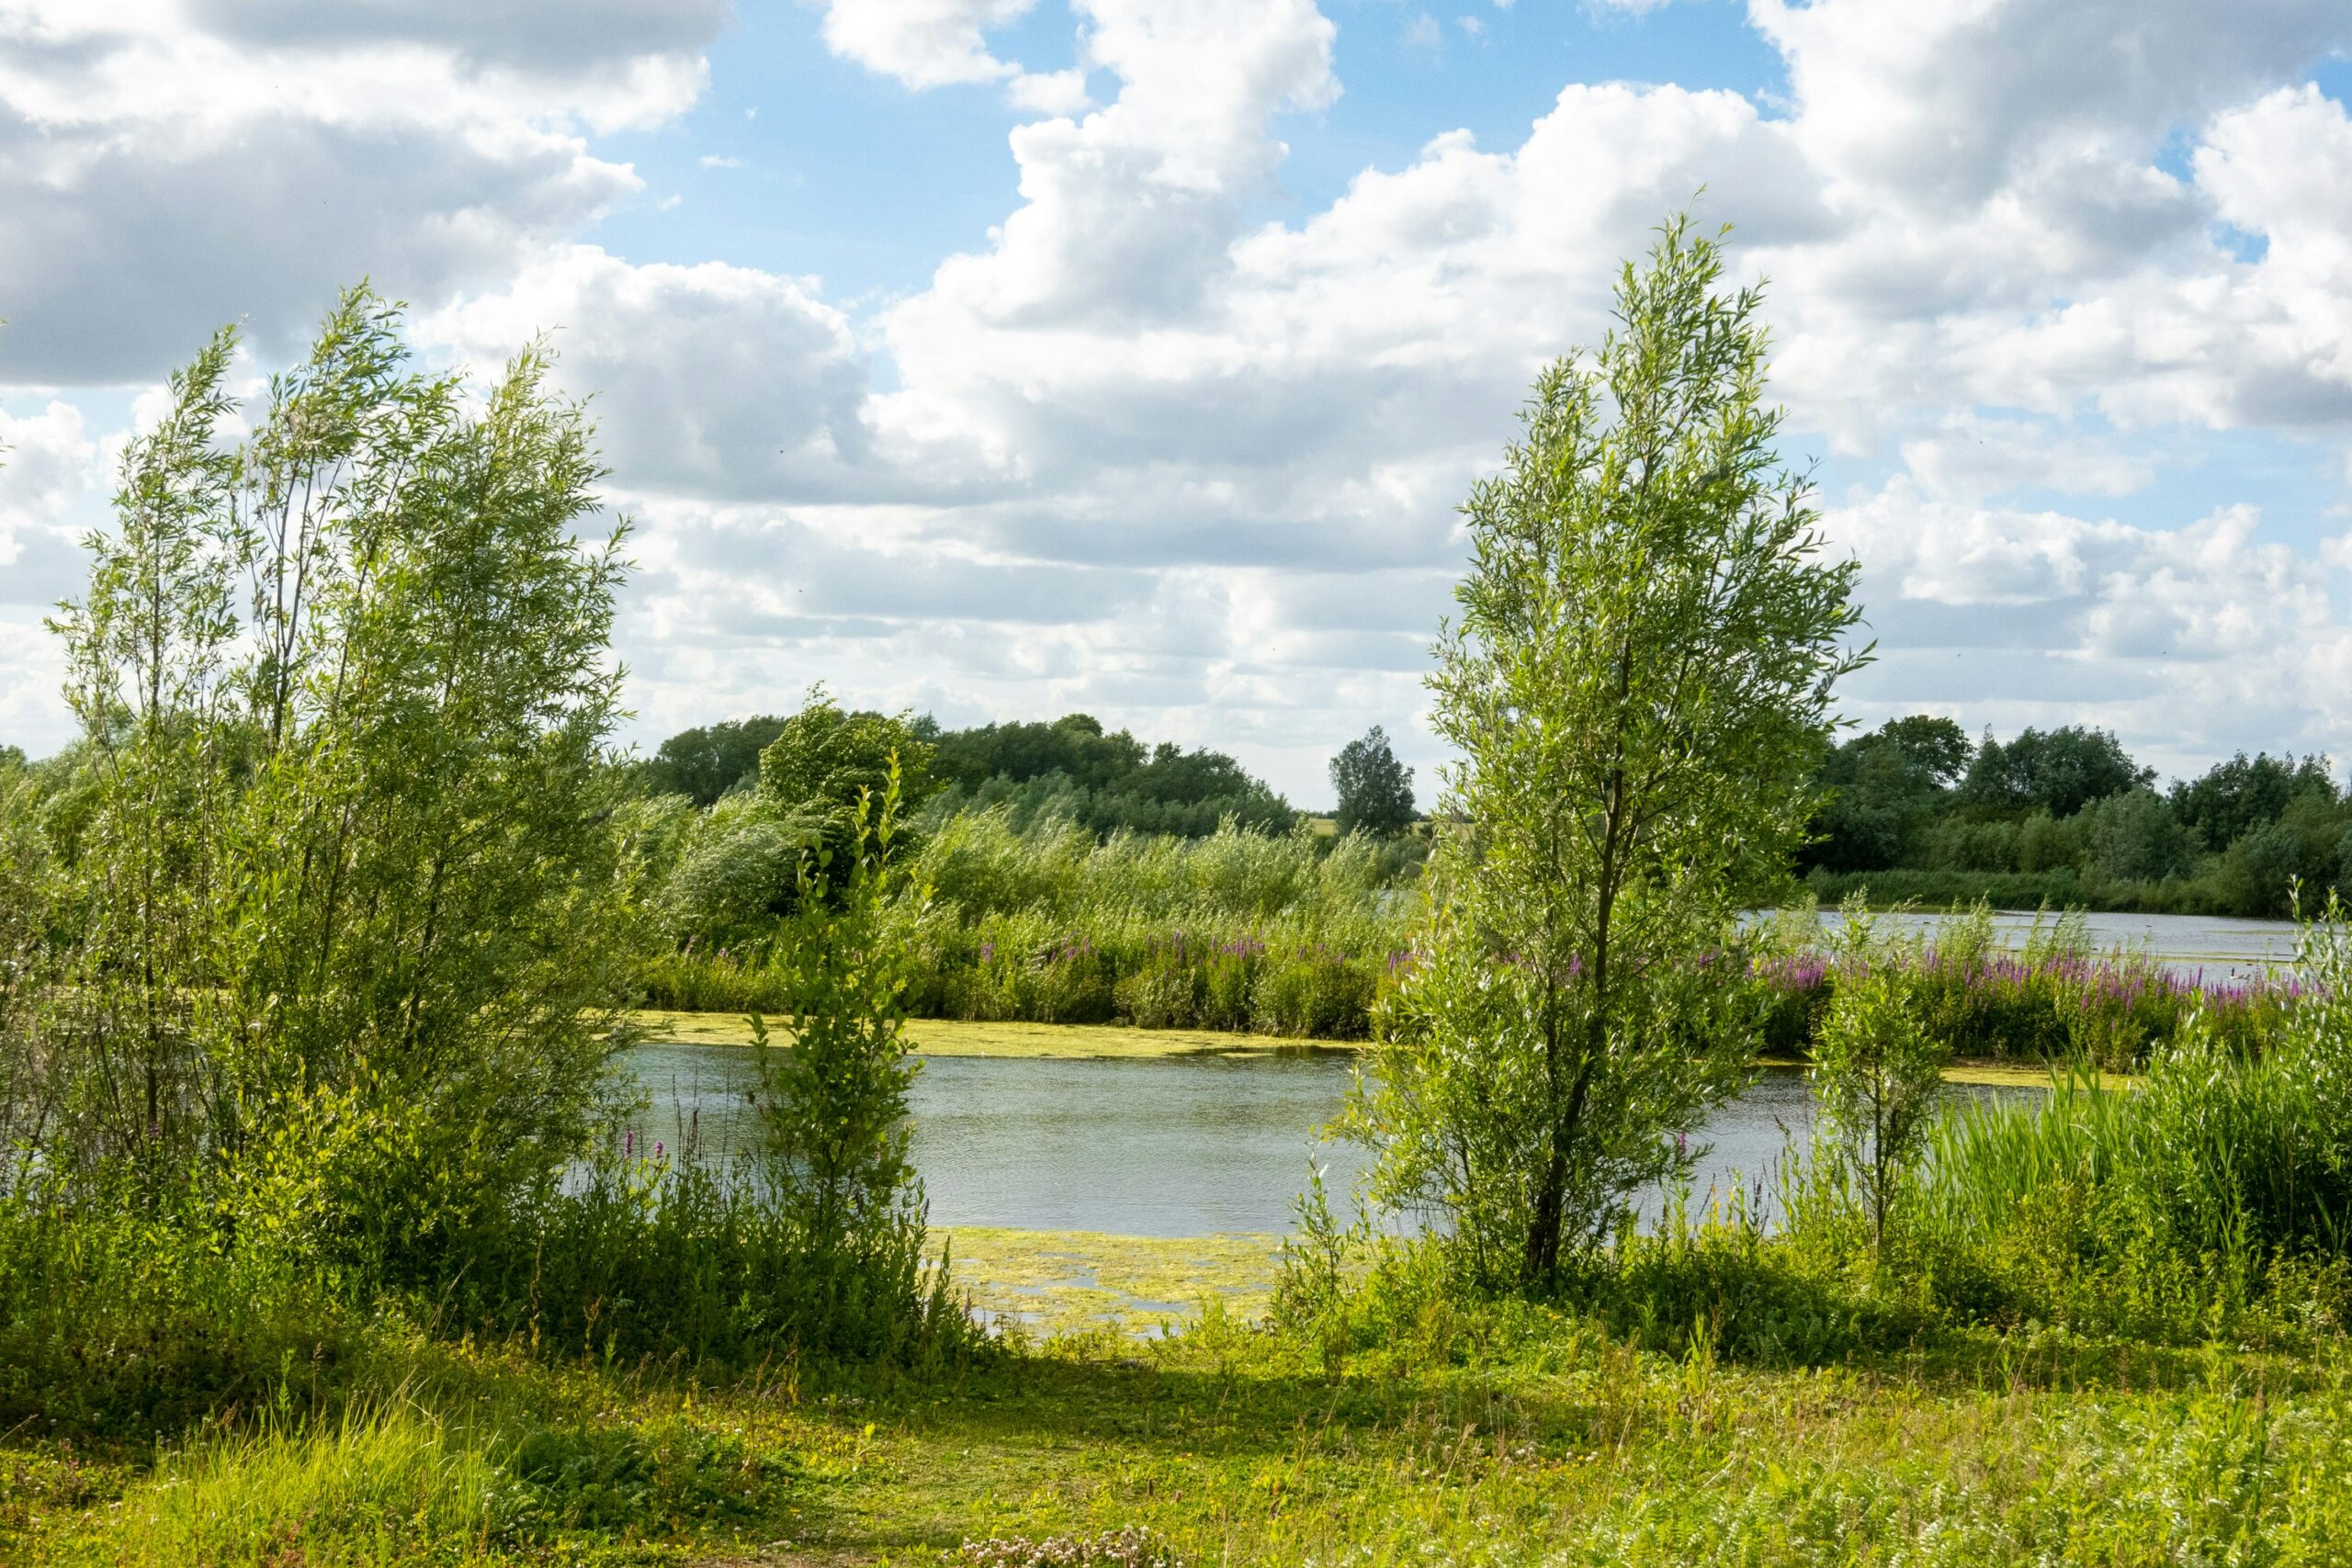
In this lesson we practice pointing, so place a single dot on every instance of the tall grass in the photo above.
(408, 1473)
(2199, 1187)
(1246, 931)
(2053, 999)
(383, 1483)
(121, 1316)
(1242, 930)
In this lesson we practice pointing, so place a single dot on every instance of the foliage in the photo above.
(314, 952)
(710, 760)
(1877, 1071)
(1106, 783)
(1375, 791)
(1075, 746)
(824, 762)
(2137, 836)
(2236, 798)
(734, 872)
(340, 934)
(1113, 810)
(834, 1106)
(2058, 770)
(1638, 686)
(2066, 817)
(1881, 789)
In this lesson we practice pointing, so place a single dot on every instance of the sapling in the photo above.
(1877, 1069)
(1638, 688)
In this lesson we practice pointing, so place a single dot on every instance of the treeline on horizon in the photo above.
(1069, 767)
(1912, 811)
(2066, 817)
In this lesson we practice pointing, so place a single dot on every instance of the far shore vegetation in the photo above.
(328, 1237)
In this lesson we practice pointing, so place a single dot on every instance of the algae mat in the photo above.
(956, 1037)
(1049, 1282)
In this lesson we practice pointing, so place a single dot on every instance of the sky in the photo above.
(1007, 358)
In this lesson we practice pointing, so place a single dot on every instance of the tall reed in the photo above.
(2194, 1186)
(1242, 930)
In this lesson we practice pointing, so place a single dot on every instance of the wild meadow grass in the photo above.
(1507, 1434)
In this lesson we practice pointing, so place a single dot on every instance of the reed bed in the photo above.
(1242, 930)
(1284, 935)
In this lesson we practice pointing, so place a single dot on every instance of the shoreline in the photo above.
(1117, 1042)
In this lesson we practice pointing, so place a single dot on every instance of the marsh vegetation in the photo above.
(338, 1226)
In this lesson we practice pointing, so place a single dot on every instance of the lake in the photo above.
(2213, 947)
(1180, 1145)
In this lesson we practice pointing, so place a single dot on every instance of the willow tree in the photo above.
(350, 933)
(1636, 686)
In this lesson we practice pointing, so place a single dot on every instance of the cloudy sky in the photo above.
(1006, 357)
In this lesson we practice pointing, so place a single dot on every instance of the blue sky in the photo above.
(837, 171)
(1003, 359)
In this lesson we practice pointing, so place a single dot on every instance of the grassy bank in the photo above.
(961, 1037)
(957, 1037)
(1522, 1435)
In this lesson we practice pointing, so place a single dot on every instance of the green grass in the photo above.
(1518, 1435)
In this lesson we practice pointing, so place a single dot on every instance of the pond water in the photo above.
(2215, 948)
(1167, 1146)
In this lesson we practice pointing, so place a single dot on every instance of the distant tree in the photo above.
(1107, 782)
(1375, 790)
(1196, 776)
(1881, 789)
(1937, 747)
(2058, 770)
(705, 762)
(1638, 687)
(1073, 746)
(11, 757)
(2231, 799)
(824, 761)
(2137, 837)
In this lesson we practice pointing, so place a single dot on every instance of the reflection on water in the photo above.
(1167, 1146)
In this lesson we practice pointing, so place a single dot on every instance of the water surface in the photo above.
(1169, 1147)
(2210, 948)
